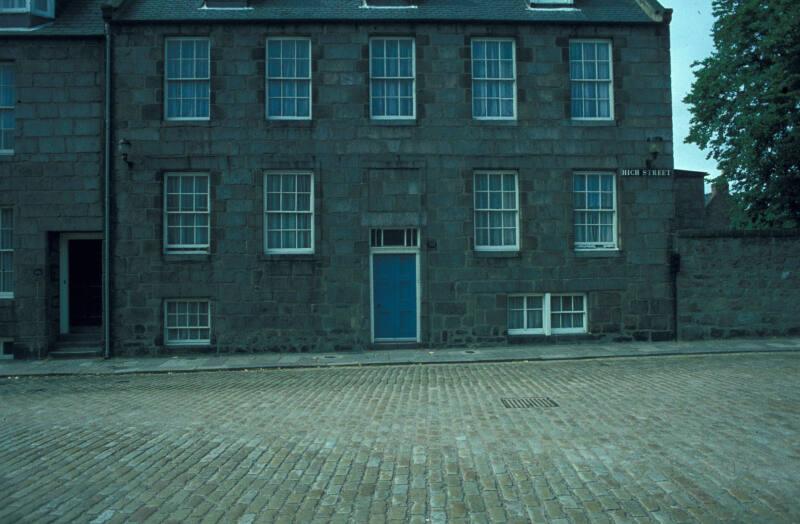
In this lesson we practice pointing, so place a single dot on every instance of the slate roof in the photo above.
(583, 11)
(73, 18)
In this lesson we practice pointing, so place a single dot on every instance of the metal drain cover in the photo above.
(529, 402)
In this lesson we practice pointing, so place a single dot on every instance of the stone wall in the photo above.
(53, 179)
(322, 301)
(738, 283)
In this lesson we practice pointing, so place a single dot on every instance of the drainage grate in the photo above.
(529, 402)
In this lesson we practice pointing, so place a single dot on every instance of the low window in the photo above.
(187, 322)
(595, 211)
(496, 212)
(6, 253)
(392, 72)
(288, 78)
(289, 213)
(188, 79)
(186, 209)
(7, 103)
(546, 314)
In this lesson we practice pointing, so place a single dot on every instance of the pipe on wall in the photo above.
(107, 187)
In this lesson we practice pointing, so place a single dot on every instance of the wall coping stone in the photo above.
(736, 233)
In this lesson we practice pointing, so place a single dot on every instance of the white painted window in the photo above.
(37, 7)
(7, 103)
(288, 78)
(188, 79)
(590, 73)
(494, 84)
(187, 322)
(186, 213)
(496, 211)
(289, 212)
(392, 78)
(546, 314)
(6, 253)
(567, 314)
(595, 211)
(6, 348)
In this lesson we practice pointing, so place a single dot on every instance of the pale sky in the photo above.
(691, 40)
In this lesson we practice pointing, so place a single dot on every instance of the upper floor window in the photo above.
(44, 8)
(188, 79)
(289, 213)
(595, 203)
(591, 80)
(392, 78)
(6, 253)
(494, 84)
(186, 210)
(288, 78)
(7, 101)
(496, 212)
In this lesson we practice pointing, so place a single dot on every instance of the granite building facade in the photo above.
(353, 175)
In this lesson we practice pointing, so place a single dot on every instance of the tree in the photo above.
(745, 105)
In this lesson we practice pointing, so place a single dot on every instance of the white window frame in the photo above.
(413, 78)
(30, 7)
(547, 329)
(610, 80)
(310, 79)
(311, 212)
(476, 210)
(513, 79)
(187, 342)
(4, 343)
(8, 294)
(186, 249)
(597, 246)
(8, 109)
(197, 79)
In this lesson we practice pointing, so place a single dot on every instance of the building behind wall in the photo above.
(343, 176)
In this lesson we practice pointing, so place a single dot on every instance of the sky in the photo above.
(691, 41)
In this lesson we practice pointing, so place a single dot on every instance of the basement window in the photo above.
(187, 322)
(547, 314)
(44, 8)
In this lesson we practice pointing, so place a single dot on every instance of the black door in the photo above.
(85, 282)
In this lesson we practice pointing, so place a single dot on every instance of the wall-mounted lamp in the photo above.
(654, 149)
(124, 150)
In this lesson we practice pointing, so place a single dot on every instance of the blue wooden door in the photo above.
(394, 289)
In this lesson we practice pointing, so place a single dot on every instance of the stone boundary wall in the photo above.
(738, 283)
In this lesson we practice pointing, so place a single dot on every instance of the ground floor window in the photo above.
(187, 322)
(546, 314)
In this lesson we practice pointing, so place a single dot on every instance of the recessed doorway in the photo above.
(81, 282)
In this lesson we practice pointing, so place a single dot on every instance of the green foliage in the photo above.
(745, 106)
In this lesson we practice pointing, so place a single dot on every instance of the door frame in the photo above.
(393, 251)
(63, 275)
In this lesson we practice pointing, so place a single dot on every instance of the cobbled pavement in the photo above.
(675, 439)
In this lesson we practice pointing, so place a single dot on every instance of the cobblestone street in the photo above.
(671, 439)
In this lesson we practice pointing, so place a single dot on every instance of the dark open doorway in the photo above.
(86, 286)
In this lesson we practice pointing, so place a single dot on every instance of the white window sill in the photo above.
(569, 331)
(289, 119)
(6, 296)
(518, 332)
(189, 343)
